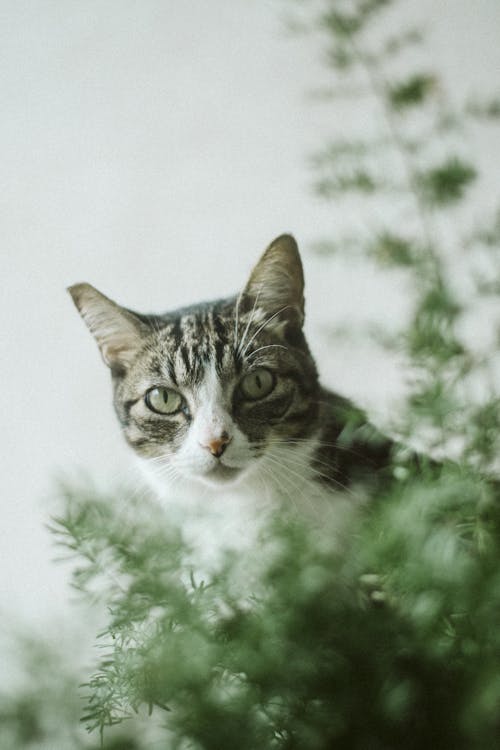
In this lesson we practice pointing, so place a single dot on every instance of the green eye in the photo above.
(163, 400)
(257, 384)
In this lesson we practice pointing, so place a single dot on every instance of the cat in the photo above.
(224, 397)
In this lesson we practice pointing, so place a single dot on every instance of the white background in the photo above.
(154, 148)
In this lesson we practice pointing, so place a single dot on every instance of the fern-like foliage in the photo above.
(390, 638)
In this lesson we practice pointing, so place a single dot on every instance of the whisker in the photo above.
(159, 459)
(237, 313)
(299, 441)
(279, 484)
(290, 463)
(302, 461)
(277, 460)
(307, 484)
(296, 458)
(259, 329)
(293, 461)
(260, 477)
(245, 332)
(268, 346)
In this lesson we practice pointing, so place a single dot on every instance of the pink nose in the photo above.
(218, 445)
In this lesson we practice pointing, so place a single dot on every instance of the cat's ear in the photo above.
(118, 332)
(276, 284)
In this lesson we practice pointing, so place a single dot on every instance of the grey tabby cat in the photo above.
(226, 393)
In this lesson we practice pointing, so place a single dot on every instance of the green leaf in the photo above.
(342, 24)
(393, 45)
(339, 57)
(446, 184)
(411, 92)
(357, 180)
(348, 23)
(390, 249)
(486, 109)
(431, 336)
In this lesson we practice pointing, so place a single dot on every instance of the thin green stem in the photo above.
(380, 88)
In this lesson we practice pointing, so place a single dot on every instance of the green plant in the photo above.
(389, 639)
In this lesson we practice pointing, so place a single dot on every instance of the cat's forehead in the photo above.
(185, 343)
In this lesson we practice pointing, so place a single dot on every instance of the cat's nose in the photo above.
(217, 445)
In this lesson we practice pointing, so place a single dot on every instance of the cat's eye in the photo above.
(163, 400)
(257, 384)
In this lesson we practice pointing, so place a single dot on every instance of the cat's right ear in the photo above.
(118, 332)
(276, 283)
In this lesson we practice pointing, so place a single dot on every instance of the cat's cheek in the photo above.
(238, 453)
(192, 460)
(138, 441)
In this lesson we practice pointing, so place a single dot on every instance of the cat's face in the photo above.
(205, 393)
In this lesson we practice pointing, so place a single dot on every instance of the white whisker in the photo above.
(302, 441)
(236, 322)
(245, 332)
(268, 346)
(278, 483)
(295, 492)
(266, 322)
(295, 461)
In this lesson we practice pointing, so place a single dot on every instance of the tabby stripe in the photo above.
(171, 371)
(220, 350)
(185, 357)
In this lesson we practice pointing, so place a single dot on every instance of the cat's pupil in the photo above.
(165, 396)
(258, 381)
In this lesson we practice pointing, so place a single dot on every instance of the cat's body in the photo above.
(223, 399)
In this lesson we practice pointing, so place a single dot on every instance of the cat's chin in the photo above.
(222, 476)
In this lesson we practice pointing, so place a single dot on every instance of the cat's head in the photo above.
(205, 392)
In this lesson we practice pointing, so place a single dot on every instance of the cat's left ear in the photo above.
(276, 284)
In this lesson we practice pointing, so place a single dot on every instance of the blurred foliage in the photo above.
(412, 171)
(484, 109)
(43, 712)
(388, 640)
(389, 249)
(411, 92)
(446, 183)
